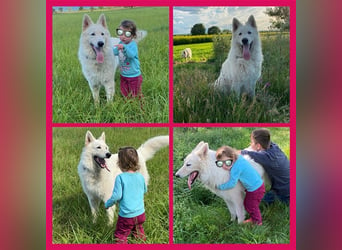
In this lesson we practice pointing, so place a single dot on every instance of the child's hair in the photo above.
(263, 137)
(128, 159)
(130, 25)
(227, 152)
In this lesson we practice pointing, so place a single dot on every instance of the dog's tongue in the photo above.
(99, 56)
(245, 52)
(191, 178)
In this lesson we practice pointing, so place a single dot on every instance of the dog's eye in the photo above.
(188, 165)
(240, 34)
(92, 34)
(99, 147)
(249, 32)
(102, 34)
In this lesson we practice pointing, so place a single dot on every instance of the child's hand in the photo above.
(119, 46)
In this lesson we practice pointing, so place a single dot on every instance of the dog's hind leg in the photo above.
(231, 209)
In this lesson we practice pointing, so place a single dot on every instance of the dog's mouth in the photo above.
(192, 177)
(246, 50)
(101, 162)
(98, 52)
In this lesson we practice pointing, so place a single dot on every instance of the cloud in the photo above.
(216, 16)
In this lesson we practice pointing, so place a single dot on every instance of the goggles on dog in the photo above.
(121, 32)
(227, 162)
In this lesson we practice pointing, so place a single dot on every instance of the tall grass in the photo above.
(199, 216)
(196, 101)
(72, 219)
(72, 99)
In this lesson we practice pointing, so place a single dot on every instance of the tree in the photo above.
(214, 30)
(282, 17)
(198, 29)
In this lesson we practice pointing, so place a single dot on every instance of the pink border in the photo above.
(171, 3)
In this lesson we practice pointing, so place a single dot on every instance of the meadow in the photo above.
(195, 101)
(72, 99)
(199, 216)
(72, 219)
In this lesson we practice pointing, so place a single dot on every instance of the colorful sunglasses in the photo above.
(121, 32)
(227, 162)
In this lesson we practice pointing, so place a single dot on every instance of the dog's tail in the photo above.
(153, 145)
(141, 34)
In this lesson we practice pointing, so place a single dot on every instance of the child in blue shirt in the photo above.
(129, 190)
(275, 163)
(127, 50)
(241, 170)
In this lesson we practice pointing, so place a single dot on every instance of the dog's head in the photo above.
(192, 165)
(96, 35)
(98, 149)
(245, 35)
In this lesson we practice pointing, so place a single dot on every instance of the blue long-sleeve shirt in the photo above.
(276, 165)
(128, 59)
(129, 190)
(244, 172)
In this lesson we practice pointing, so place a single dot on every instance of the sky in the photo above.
(184, 18)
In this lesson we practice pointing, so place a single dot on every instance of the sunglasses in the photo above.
(227, 162)
(121, 32)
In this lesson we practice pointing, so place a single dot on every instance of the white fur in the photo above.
(97, 181)
(186, 53)
(202, 161)
(96, 40)
(240, 71)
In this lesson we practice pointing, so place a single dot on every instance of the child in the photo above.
(129, 191)
(241, 170)
(127, 50)
(275, 163)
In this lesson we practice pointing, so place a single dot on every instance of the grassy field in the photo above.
(199, 216)
(72, 220)
(72, 99)
(195, 101)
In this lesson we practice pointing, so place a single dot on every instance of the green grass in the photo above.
(72, 220)
(72, 99)
(199, 216)
(195, 101)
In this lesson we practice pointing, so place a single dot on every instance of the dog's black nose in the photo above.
(245, 41)
(100, 44)
(108, 155)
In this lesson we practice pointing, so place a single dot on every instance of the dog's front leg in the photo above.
(110, 90)
(110, 214)
(94, 204)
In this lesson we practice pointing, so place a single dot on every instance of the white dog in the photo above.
(242, 68)
(98, 168)
(186, 53)
(96, 56)
(200, 164)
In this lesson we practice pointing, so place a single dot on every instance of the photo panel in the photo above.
(210, 199)
(85, 170)
(231, 64)
(97, 81)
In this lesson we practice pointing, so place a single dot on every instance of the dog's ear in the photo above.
(102, 137)
(89, 138)
(236, 24)
(251, 21)
(102, 20)
(203, 151)
(86, 22)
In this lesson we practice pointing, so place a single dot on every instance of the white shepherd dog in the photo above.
(96, 56)
(200, 164)
(186, 53)
(98, 168)
(242, 68)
